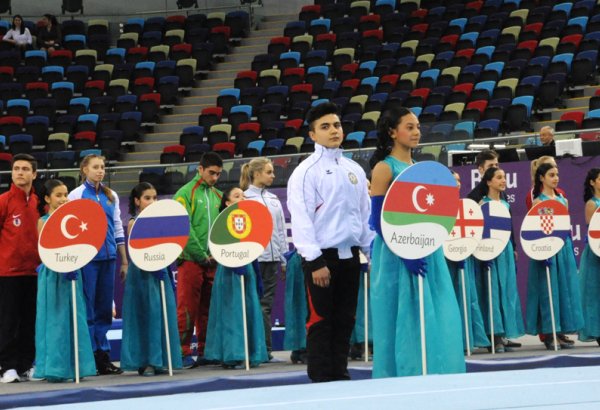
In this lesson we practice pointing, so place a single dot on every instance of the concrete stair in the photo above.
(203, 95)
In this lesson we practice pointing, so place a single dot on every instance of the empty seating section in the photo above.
(97, 93)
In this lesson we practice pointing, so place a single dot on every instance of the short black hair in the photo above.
(211, 159)
(319, 111)
(485, 155)
(25, 157)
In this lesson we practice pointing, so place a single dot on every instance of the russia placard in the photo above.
(545, 229)
(466, 233)
(159, 235)
(497, 228)
(419, 210)
(240, 233)
(72, 235)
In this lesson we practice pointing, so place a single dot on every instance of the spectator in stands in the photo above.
(329, 205)
(48, 37)
(18, 35)
(257, 176)
(99, 274)
(547, 136)
(197, 267)
(18, 281)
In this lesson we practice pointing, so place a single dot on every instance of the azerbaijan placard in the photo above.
(419, 210)
(159, 235)
(545, 229)
(466, 233)
(72, 235)
(497, 228)
(240, 233)
(594, 233)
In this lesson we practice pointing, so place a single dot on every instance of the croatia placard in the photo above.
(159, 235)
(466, 233)
(240, 233)
(72, 235)
(419, 210)
(594, 233)
(497, 228)
(545, 229)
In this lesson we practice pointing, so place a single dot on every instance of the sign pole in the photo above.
(75, 335)
(422, 320)
(246, 353)
(491, 308)
(465, 310)
(366, 300)
(554, 338)
(166, 322)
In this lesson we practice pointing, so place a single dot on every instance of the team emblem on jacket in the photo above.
(239, 224)
(352, 178)
(17, 220)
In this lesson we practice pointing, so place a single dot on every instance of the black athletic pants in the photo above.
(331, 315)
(18, 295)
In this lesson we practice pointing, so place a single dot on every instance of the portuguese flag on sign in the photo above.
(422, 194)
(245, 221)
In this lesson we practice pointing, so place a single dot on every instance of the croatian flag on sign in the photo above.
(545, 229)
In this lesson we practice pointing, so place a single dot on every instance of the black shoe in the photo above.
(298, 356)
(356, 351)
(203, 361)
(510, 343)
(549, 343)
(565, 342)
(103, 364)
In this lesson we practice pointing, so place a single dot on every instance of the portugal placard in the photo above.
(240, 233)
(594, 233)
(545, 229)
(419, 210)
(159, 235)
(466, 233)
(497, 228)
(72, 235)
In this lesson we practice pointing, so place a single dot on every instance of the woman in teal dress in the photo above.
(589, 265)
(508, 319)
(566, 294)
(394, 283)
(144, 344)
(295, 309)
(54, 348)
(225, 332)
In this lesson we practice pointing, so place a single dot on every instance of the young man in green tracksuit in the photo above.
(196, 271)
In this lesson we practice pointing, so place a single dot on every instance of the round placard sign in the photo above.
(159, 235)
(466, 233)
(72, 235)
(544, 230)
(594, 233)
(497, 228)
(419, 210)
(240, 233)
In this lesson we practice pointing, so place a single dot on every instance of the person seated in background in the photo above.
(18, 35)
(48, 38)
(547, 136)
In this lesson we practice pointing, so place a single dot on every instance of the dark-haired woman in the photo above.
(566, 295)
(589, 268)
(394, 281)
(48, 37)
(18, 35)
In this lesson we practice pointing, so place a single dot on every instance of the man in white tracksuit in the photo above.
(330, 207)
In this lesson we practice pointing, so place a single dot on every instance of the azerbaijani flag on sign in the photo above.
(423, 194)
(240, 233)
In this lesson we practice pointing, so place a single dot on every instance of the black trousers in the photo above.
(331, 316)
(18, 295)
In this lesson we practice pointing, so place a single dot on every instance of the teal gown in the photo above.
(295, 305)
(54, 344)
(589, 275)
(396, 327)
(477, 333)
(508, 317)
(565, 292)
(144, 342)
(225, 332)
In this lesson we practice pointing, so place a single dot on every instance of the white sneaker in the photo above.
(10, 376)
(29, 376)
